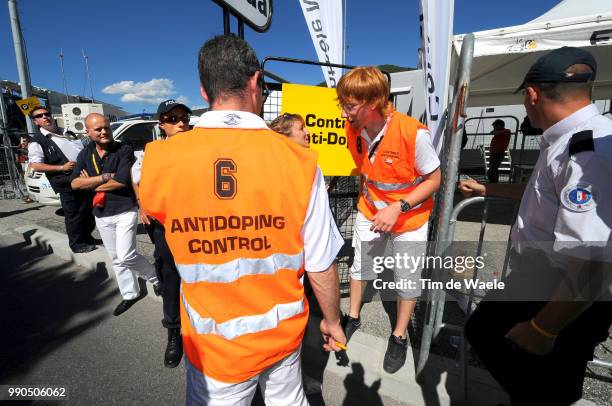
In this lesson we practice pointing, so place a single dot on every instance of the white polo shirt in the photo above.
(567, 199)
(70, 147)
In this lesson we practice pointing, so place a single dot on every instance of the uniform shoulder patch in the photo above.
(581, 141)
(579, 197)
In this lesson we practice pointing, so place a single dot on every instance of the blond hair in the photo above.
(365, 84)
(284, 123)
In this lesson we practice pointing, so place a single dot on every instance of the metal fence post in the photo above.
(450, 158)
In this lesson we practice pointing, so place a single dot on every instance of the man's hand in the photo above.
(471, 188)
(528, 339)
(385, 219)
(332, 332)
(68, 166)
(143, 217)
(84, 174)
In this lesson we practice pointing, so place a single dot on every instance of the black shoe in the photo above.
(83, 248)
(158, 289)
(174, 349)
(395, 357)
(94, 241)
(350, 325)
(125, 305)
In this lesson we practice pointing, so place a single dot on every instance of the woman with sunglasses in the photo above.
(173, 119)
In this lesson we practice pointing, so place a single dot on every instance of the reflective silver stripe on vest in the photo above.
(237, 268)
(244, 325)
(389, 187)
(379, 204)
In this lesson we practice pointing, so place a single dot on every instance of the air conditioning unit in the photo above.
(74, 115)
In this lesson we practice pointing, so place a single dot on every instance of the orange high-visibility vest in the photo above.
(393, 174)
(233, 203)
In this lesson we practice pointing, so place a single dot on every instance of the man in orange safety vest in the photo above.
(400, 172)
(247, 216)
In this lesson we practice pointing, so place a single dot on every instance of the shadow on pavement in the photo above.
(15, 212)
(45, 304)
(357, 392)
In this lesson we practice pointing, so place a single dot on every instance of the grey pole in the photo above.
(61, 55)
(20, 55)
(86, 58)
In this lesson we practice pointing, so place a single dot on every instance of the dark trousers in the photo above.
(553, 379)
(79, 220)
(167, 274)
(495, 160)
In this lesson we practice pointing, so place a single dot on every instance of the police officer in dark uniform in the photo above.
(537, 335)
(54, 151)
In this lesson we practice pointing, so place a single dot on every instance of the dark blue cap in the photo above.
(552, 66)
(168, 105)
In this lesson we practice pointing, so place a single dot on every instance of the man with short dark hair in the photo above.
(537, 335)
(247, 216)
(497, 149)
(104, 167)
(54, 153)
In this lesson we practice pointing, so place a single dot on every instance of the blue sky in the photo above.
(144, 50)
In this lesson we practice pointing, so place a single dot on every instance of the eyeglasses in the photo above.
(348, 107)
(42, 115)
(176, 119)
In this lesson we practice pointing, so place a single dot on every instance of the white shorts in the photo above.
(370, 245)
(281, 384)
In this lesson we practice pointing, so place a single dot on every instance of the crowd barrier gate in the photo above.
(441, 215)
(12, 184)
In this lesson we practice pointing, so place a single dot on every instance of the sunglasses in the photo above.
(42, 115)
(176, 119)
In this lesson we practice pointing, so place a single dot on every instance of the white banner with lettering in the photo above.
(324, 20)
(436, 35)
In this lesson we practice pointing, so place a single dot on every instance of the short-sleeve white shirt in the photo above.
(566, 199)
(69, 147)
(322, 240)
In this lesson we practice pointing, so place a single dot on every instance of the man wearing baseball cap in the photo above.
(537, 335)
(173, 119)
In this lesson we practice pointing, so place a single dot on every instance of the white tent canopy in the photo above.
(503, 56)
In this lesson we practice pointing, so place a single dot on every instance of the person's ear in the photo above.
(204, 94)
(253, 83)
(533, 95)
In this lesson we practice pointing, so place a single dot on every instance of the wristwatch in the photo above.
(405, 206)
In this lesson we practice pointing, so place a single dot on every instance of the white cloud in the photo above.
(152, 92)
(199, 106)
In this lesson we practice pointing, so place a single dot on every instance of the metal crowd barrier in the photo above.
(441, 214)
(12, 183)
(471, 296)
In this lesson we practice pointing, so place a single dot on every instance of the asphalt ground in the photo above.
(65, 341)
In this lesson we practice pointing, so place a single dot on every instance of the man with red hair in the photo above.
(400, 173)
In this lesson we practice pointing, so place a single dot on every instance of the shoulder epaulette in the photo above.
(581, 141)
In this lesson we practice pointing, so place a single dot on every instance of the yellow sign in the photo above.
(319, 108)
(26, 105)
